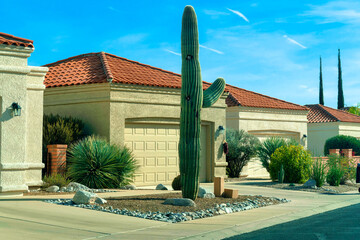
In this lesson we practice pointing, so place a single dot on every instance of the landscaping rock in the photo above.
(161, 187)
(53, 189)
(310, 183)
(100, 200)
(63, 189)
(180, 202)
(202, 192)
(128, 187)
(70, 189)
(77, 186)
(84, 197)
(209, 195)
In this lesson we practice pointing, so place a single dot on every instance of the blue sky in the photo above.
(270, 47)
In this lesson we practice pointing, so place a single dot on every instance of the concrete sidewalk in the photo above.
(29, 218)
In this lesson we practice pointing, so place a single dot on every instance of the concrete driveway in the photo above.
(30, 218)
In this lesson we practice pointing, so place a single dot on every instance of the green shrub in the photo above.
(341, 165)
(61, 130)
(242, 146)
(296, 162)
(318, 172)
(268, 147)
(97, 164)
(176, 183)
(342, 142)
(349, 167)
(59, 180)
(335, 170)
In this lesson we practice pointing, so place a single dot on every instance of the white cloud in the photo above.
(113, 9)
(175, 53)
(239, 14)
(294, 42)
(214, 12)
(211, 49)
(335, 11)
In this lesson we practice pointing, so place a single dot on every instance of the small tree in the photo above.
(242, 146)
(355, 109)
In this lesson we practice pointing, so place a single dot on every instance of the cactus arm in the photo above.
(213, 93)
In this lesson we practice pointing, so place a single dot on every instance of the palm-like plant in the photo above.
(268, 147)
(97, 164)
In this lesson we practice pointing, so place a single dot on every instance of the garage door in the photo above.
(155, 147)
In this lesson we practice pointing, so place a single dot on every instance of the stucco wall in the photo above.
(319, 132)
(266, 122)
(20, 136)
(106, 108)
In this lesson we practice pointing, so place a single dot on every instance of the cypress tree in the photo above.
(321, 93)
(340, 88)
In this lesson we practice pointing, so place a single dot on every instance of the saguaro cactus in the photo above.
(192, 100)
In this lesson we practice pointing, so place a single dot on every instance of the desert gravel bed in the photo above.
(151, 206)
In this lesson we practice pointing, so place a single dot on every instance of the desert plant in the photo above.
(176, 183)
(355, 109)
(268, 147)
(342, 142)
(318, 172)
(59, 180)
(281, 174)
(335, 170)
(242, 146)
(97, 164)
(192, 100)
(296, 161)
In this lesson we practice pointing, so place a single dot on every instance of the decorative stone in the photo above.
(231, 193)
(218, 186)
(53, 189)
(77, 186)
(161, 187)
(202, 192)
(63, 189)
(70, 189)
(128, 187)
(209, 195)
(84, 197)
(100, 200)
(180, 202)
(310, 183)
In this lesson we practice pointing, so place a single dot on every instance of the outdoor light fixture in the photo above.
(304, 136)
(221, 129)
(16, 109)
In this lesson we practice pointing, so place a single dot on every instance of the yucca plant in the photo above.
(97, 164)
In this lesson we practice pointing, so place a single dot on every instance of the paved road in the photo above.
(339, 224)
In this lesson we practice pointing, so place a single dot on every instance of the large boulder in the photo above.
(180, 202)
(202, 192)
(209, 195)
(100, 200)
(84, 197)
(161, 187)
(128, 187)
(310, 183)
(74, 186)
(53, 188)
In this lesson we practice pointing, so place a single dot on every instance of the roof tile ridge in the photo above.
(298, 105)
(343, 111)
(106, 66)
(327, 112)
(143, 64)
(18, 38)
(68, 59)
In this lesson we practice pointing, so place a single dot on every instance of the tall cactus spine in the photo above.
(192, 100)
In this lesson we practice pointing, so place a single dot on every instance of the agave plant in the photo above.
(97, 164)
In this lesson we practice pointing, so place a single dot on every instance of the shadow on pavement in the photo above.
(339, 224)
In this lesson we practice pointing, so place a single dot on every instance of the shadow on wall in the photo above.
(7, 115)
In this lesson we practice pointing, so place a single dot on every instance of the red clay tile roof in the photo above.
(319, 114)
(242, 97)
(8, 39)
(104, 67)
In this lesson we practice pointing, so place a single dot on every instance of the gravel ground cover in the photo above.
(152, 207)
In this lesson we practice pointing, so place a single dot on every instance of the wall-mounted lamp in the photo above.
(304, 136)
(221, 129)
(16, 109)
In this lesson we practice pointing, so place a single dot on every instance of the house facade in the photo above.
(21, 115)
(326, 122)
(135, 105)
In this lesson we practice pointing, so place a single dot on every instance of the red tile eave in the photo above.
(8, 39)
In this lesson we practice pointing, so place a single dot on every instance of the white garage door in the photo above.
(155, 147)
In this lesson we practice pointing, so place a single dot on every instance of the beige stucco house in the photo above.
(136, 105)
(326, 122)
(21, 87)
(264, 116)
